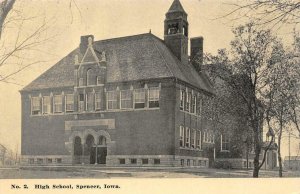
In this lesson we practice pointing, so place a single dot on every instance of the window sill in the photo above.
(194, 114)
(225, 151)
(191, 149)
(95, 112)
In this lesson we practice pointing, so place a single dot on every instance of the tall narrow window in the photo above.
(182, 95)
(181, 136)
(69, 103)
(57, 101)
(224, 143)
(112, 100)
(98, 101)
(154, 97)
(193, 138)
(90, 101)
(46, 105)
(35, 106)
(199, 140)
(199, 106)
(100, 80)
(194, 102)
(187, 137)
(89, 80)
(205, 136)
(139, 98)
(188, 102)
(81, 103)
(126, 99)
(80, 82)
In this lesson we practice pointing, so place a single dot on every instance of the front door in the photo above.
(101, 155)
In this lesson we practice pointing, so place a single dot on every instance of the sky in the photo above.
(65, 22)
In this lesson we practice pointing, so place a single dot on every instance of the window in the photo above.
(35, 105)
(90, 101)
(156, 161)
(188, 162)
(188, 136)
(182, 99)
(100, 80)
(126, 99)
(49, 160)
(181, 135)
(154, 97)
(182, 162)
(81, 103)
(98, 101)
(57, 104)
(89, 80)
(133, 161)
(139, 98)
(188, 102)
(194, 102)
(193, 138)
(194, 162)
(80, 82)
(112, 100)
(199, 106)
(199, 140)
(69, 103)
(46, 105)
(145, 161)
(40, 160)
(224, 143)
(122, 161)
(31, 160)
(58, 160)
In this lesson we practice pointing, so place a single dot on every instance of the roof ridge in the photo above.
(121, 37)
(162, 56)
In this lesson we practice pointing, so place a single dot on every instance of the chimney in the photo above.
(197, 52)
(84, 42)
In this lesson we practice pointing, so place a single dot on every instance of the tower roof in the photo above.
(176, 7)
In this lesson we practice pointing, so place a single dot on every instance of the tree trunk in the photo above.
(5, 7)
(279, 151)
(257, 149)
(256, 161)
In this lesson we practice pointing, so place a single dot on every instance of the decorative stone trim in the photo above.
(110, 123)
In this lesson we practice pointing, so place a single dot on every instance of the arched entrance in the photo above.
(89, 150)
(101, 150)
(77, 150)
(90, 146)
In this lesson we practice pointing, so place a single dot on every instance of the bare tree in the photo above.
(14, 53)
(264, 12)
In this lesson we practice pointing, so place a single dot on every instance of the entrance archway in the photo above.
(101, 150)
(89, 151)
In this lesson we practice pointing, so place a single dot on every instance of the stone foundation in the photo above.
(48, 160)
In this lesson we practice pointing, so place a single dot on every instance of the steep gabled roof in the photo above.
(131, 58)
(176, 7)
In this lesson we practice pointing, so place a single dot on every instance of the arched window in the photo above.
(89, 80)
(102, 140)
(90, 141)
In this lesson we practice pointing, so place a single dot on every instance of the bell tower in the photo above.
(176, 31)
